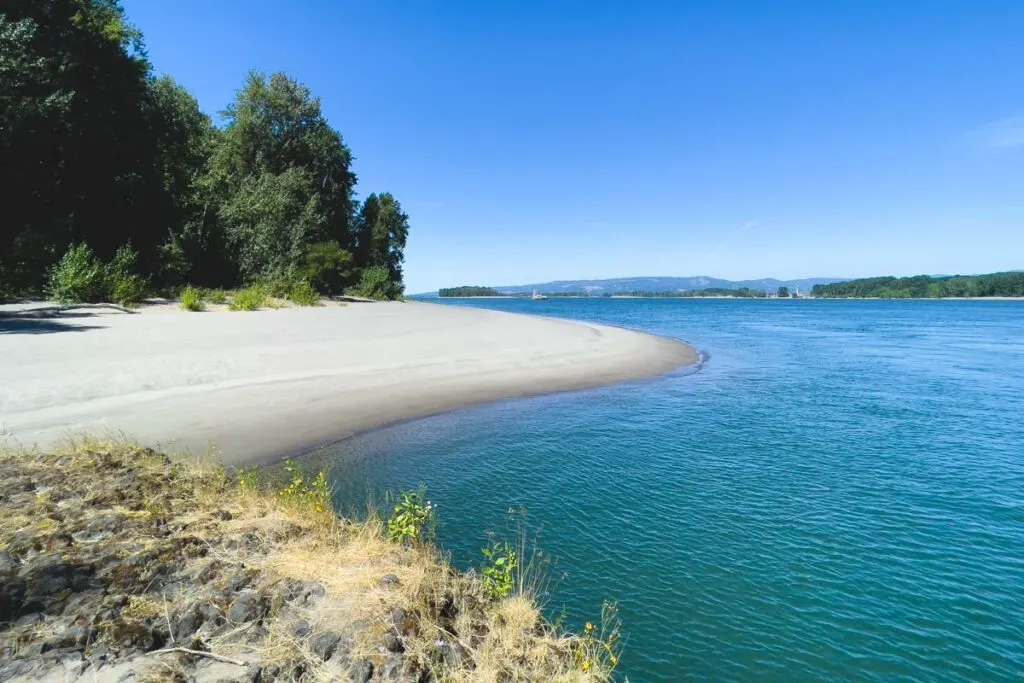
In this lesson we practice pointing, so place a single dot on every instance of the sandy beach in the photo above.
(261, 385)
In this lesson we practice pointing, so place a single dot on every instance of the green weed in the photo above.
(500, 571)
(192, 299)
(248, 299)
(412, 520)
(303, 294)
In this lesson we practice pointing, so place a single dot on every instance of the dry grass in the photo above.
(507, 640)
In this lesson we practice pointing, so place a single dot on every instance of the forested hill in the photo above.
(925, 287)
(652, 285)
(117, 185)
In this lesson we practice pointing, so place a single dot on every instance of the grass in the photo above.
(501, 640)
(192, 299)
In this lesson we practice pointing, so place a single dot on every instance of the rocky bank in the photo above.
(117, 565)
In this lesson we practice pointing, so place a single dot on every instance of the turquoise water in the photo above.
(838, 494)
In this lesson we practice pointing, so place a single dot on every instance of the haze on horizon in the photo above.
(532, 143)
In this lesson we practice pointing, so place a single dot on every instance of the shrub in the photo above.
(599, 647)
(78, 277)
(128, 290)
(303, 294)
(500, 571)
(192, 299)
(375, 284)
(248, 299)
(411, 520)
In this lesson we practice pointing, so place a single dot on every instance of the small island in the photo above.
(467, 291)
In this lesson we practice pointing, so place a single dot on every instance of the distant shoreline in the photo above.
(743, 298)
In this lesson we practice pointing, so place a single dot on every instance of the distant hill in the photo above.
(626, 285)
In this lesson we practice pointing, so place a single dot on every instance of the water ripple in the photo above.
(837, 495)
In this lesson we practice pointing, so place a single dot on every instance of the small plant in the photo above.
(192, 299)
(248, 299)
(315, 494)
(78, 277)
(500, 571)
(600, 646)
(303, 294)
(412, 519)
(215, 296)
(248, 480)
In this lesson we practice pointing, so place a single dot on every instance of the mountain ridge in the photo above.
(627, 285)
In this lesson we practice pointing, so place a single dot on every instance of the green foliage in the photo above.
(467, 291)
(248, 299)
(412, 518)
(128, 290)
(303, 294)
(783, 293)
(248, 479)
(328, 267)
(500, 571)
(315, 494)
(123, 285)
(924, 287)
(192, 299)
(98, 150)
(374, 284)
(382, 231)
(79, 277)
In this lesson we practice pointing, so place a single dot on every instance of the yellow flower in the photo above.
(589, 627)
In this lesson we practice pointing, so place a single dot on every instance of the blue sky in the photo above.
(533, 141)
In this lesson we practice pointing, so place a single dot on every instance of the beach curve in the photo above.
(262, 385)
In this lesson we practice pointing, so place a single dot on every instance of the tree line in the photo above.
(113, 173)
(925, 287)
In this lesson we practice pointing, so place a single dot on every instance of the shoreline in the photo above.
(261, 386)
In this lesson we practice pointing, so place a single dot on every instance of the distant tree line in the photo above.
(925, 287)
(110, 170)
(467, 290)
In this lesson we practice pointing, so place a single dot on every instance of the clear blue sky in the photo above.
(532, 141)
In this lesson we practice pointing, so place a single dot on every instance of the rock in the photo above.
(239, 580)
(391, 670)
(324, 644)
(404, 622)
(187, 625)
(363, 671)
(12, 598)
(307, 593)
(211, 569)
(393, 643)
(247, 607)
(300, 629)
(389, 580)
(209, 614)
(50, 578)
(222, 515)
(7, 564)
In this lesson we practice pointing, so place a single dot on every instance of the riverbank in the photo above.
(257, 386)
(116, 565)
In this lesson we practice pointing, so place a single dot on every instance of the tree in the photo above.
(79, 155)
(783, 293)
(282, 176)
(383, 229)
